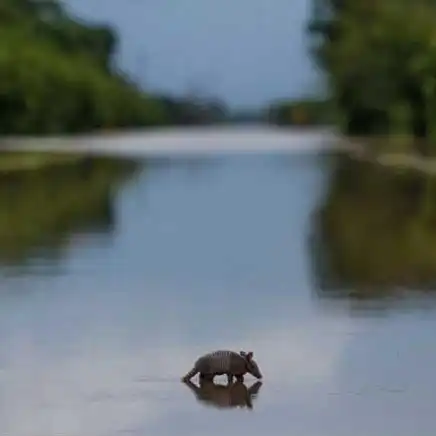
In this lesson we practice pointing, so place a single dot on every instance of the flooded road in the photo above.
(115, 275)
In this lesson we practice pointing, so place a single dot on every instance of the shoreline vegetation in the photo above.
(58, 75)
(381, 77)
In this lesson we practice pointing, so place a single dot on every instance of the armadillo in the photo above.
(227, 362)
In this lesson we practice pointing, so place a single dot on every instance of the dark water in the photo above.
(116, 275)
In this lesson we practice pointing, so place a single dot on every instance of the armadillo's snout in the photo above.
(255, 370)
(257, 373)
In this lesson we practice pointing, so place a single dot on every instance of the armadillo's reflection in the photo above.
(225, 396)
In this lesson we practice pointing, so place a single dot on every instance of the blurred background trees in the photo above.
(380, 61)
(58, 75)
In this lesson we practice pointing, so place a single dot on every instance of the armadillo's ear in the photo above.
(249, 355)
(243, 353)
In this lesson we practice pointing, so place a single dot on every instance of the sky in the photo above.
(247, 52)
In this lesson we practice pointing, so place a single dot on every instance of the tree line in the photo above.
(59, 75)
(299, 112)
(380, 63)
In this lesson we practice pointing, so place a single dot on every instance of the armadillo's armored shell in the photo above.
(221, 362)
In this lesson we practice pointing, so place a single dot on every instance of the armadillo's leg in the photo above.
(229, 379)
(240, 378)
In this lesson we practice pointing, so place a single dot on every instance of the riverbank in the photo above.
(183, 141)
(382, 151)
(26, 153)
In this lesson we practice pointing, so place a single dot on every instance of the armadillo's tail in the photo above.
(190, 374)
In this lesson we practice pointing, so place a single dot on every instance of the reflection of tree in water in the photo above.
(375, 233)
(225, 396)
(41, 209)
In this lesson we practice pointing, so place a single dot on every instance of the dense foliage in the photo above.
(380, 60)
(57, 74)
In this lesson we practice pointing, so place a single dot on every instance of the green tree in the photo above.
(380, 60)
(58, 75)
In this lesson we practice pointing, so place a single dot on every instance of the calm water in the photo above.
(116, 275)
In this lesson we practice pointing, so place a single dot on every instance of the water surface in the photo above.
(116, 275)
